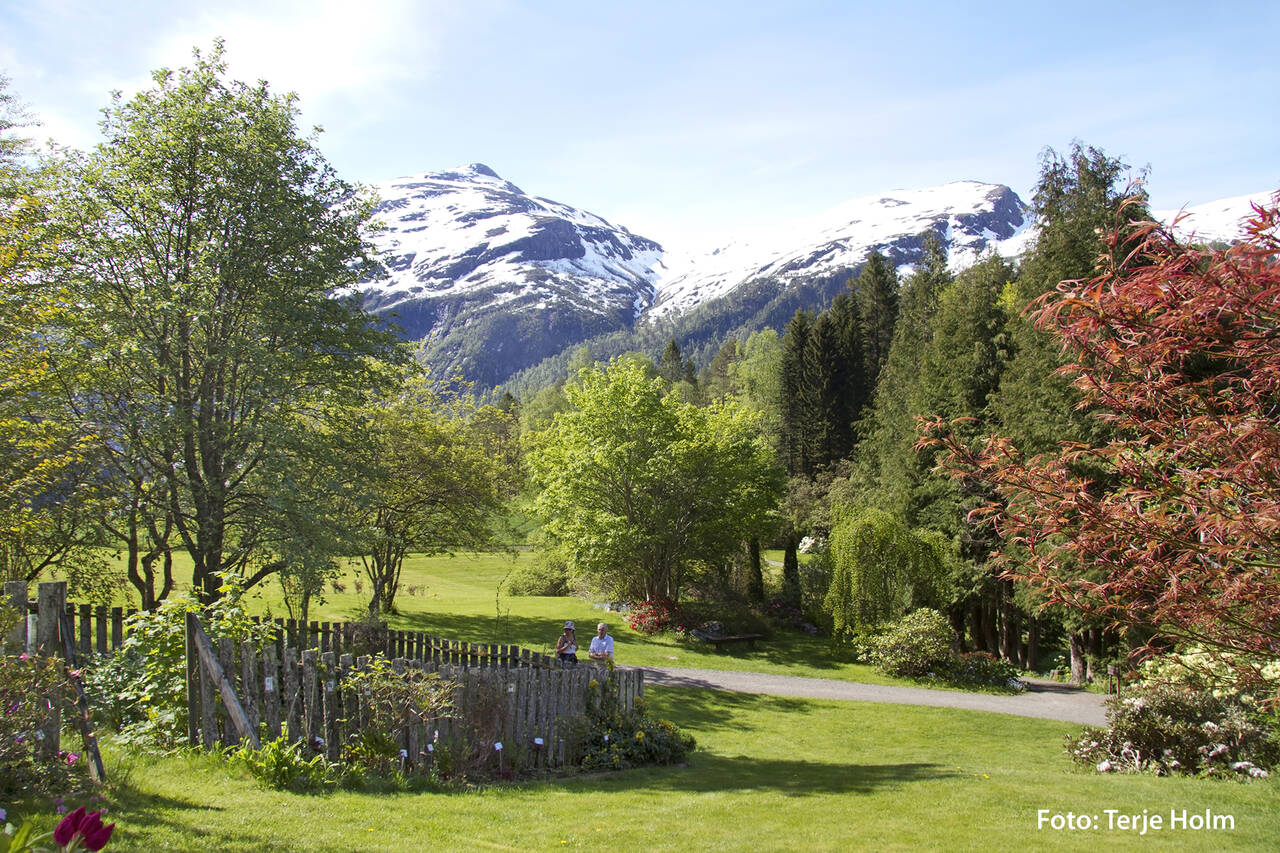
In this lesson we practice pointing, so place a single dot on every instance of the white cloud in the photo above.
(324, 50)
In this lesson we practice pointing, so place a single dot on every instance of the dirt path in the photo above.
(1045, 699)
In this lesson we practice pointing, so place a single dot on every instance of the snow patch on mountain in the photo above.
(465, 230)
(1222, 219)
(971, 218)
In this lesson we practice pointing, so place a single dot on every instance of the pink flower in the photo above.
(72, 757)
(87, 828)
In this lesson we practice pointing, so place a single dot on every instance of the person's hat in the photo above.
(569, 625)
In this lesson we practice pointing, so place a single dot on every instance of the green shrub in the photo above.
(546, 574)
(1170, 728)
(140, 692)
(918, 645)
(391, 701)
(282, 765)
(980, 669)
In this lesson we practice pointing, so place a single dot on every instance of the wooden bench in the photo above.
(722, 640)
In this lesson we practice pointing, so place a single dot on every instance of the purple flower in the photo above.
(73, 757)
(88, 827)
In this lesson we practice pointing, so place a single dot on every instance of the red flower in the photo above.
(86, 828)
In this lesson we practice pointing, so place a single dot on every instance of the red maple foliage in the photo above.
(1174, 523)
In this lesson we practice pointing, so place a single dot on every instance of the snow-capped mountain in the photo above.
(495, 280)
(494, 277)
(969, 217)
(1220, 220)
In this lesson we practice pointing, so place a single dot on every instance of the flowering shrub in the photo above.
(26, 685)
(611, 738)
(658, 615)
(1219, 674)
(1169, 728)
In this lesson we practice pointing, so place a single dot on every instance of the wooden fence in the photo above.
(512, 707)
(101, 629)
(513, 716)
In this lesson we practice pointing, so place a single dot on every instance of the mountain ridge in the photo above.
(495, 281)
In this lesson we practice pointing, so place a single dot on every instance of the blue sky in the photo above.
(689, 122)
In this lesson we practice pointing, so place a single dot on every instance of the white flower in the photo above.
(1258, 773)
(1105, 766)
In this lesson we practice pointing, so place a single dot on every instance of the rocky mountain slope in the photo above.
(494, 280)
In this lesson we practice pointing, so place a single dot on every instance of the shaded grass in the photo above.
(770, 774)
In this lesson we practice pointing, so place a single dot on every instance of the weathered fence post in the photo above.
(52, 603)
(271, 691)
(213, 672)
(15, 594)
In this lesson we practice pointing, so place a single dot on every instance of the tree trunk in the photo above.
(1077, 643)
(791, 572)
(1033, 643)
(990, 628)
(755, 572)
(956, 616)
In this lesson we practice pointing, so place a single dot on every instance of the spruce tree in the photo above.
(797, 406)
(877, 300)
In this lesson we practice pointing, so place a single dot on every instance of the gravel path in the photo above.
(1048, 700)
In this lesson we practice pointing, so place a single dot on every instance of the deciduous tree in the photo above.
(642, 489)
(1177, 350)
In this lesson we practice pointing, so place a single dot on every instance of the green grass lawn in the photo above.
(770, 773)
(455, 598)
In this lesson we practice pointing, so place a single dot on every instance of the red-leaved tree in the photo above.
(1174, 524)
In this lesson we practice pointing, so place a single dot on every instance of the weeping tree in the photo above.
(881, 570)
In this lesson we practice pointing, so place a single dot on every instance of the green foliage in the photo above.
(642, 490)
(27, 687)
(213, 361)
(609, 737)
(1173, 729)
(391, 700)
(139, 692)
(282, 766)
(431, 482)
(918, 645)
(881, 570)
(546, 574)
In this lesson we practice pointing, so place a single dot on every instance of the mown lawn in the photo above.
(456, 597)
(770, 773)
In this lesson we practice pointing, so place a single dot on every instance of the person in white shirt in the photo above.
(601, 644)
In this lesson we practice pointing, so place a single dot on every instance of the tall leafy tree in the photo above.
(643, 491)
(212, 243)
(431, 483)
(47, 470)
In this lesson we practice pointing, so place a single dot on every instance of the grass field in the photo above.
(770, 773)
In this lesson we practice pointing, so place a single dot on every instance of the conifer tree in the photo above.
(877, 299)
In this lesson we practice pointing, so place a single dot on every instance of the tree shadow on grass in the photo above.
(140, 814)
(743, 773)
